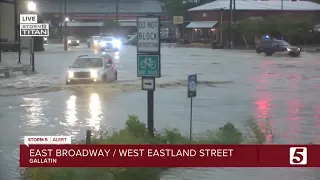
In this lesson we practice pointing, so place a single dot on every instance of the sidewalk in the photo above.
(309, 48)
(9, 63)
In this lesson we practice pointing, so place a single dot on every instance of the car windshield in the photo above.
(107, 38)
(71, 38)
(96, 38)
(88, 63)
(283, 43)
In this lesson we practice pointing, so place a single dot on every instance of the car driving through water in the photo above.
(271, 46)
(93, 41)
(72, 41)
(92, 69)
(110, 43)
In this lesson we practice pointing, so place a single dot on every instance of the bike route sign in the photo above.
(148, 66)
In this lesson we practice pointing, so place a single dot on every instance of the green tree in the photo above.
(286, 26)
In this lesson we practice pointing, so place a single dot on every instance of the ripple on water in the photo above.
(121, 86)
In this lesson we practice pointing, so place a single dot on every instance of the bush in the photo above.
(135, 132)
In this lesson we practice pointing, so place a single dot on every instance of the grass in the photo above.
(135, 132)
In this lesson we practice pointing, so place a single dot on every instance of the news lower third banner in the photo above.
(169, 155)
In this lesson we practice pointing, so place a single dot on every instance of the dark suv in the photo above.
(270, 46)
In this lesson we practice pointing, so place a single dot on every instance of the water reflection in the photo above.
(34, 108)
(71, 114)
(263, 99)
(293, 121)
(117, 56)
(95, 112)
(317, 123)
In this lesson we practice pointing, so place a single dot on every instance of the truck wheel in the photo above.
(105, 79)
(268, 53)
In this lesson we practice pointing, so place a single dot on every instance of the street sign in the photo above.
(148, 84)
(148, 40)
(148, 66)
(29, 26)
(192, 85)
(177, 19)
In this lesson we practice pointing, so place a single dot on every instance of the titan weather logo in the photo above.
(29, 26)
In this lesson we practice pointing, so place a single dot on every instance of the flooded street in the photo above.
(233, 86)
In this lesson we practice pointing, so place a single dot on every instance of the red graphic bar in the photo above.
(169, 156)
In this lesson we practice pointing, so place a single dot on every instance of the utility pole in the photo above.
(0, 37)
(234, 21)
(230, 24)
(65, 27)
(234, 11)
(61, 20)
(17, 38)
(117, 16)
(281, 5)
(15, 21)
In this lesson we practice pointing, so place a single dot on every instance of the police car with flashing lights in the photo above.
(92, 69)
(110, 43)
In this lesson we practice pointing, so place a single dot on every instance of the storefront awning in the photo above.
(201, 24)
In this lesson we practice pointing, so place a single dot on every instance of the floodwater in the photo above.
(233, 86)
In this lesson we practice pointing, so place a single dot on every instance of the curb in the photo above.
(312, 50)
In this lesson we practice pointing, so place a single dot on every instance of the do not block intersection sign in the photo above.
(148, 34)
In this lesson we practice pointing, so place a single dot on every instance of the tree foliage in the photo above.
(109, 24)
(286, 26)
(178, 7)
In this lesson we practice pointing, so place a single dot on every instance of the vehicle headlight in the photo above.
(288, 49)
(94, 73)
(298, 49)
(78, 41)
(70, 74)
(116, 43)
(69, 41)
(95, 42)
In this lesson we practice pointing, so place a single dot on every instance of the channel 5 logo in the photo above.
(298, 156)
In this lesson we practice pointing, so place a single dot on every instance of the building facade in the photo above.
(87, 15)
(205, 19)
(7, 20)
(10, 11)
(95, 12)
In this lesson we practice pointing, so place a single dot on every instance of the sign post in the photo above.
(179, 21)
(192, 92)
(31, 49)
(149, 59)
